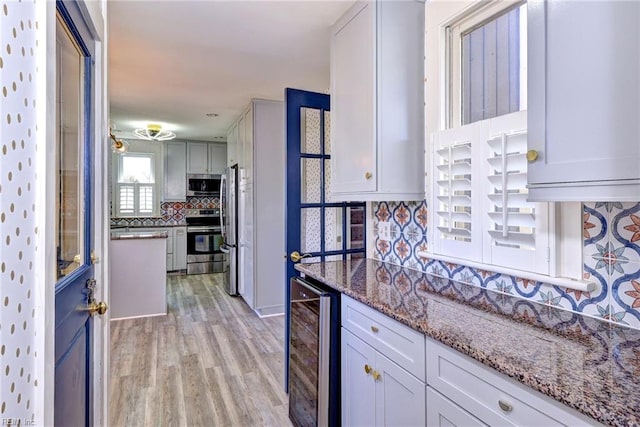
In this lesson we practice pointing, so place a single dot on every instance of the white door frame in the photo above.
(95, 15)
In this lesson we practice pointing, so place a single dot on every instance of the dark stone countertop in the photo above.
(587, 364)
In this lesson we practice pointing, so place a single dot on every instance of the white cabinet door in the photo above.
(217, 158)
(175, 173)
(584, 100)
(197, 157)
(232, 146)
(377, 102)
(441, 412)
(180, 248)
(400, 397)
(353, 112)
(358, 388)
(248, 146)
(246, 259)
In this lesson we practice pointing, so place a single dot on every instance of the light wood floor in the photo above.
(210, 362)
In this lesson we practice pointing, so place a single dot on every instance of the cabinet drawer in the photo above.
(400, 343)
(490, 396)
(443, 412)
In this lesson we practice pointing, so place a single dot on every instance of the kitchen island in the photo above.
(137, 270)
(591, 366)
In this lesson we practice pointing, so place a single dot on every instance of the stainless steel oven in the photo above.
(204, 238)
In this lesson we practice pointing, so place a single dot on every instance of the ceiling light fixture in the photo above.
(154, 133)
(117, 145)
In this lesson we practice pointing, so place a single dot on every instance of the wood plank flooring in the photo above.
(210, 362)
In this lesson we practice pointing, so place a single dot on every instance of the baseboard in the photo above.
(277, 310)
(138, 317)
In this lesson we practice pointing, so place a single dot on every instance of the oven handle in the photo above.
(202, 228)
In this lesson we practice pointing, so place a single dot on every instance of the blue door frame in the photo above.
(295, 100)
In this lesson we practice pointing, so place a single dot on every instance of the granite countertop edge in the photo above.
(450, 340)
(139, 235)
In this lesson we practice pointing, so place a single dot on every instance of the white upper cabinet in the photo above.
(175, 186)
(203, 157)
(197, 157)
(217, 158)
(377, 102)
(584, 100)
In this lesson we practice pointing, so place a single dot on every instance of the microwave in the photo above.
(203, 185)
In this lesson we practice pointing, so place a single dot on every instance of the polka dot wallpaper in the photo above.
(18, 231)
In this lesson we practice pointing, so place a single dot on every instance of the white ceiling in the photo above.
(172, 62)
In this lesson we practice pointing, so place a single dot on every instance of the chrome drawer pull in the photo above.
(374, 329)
(506, 407)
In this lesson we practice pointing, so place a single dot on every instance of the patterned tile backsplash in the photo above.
(171, 213)
(611, 257)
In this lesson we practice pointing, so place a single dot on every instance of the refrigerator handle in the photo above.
(223, 202)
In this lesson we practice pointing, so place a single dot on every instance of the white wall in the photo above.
(22, 318)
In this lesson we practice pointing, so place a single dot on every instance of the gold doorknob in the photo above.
(374, 329)
(99, 308)
(367, 369)
(532, 155)
(376, 375)
(295, 256)
(368, 175)
(94, 258)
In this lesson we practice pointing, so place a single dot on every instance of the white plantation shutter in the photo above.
(145, 198)
(517, 231)
(136, 185)
(126, 199)
(480, 196)
(458, 229)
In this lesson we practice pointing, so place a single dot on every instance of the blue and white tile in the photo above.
(401, 215)
(420, 216)
(467, 275)
(624, 297)
(526, 288)
(625, 231)
(594, 228)
(595, 303)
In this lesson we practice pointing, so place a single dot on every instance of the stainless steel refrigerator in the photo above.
(229, 223)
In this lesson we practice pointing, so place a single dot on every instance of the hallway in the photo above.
(210, 361)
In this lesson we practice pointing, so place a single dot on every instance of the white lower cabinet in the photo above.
(377, 391)
(489, 396)
(378, 356)
(358, 388)
(382, 384)
(180, 248)
(441, 412)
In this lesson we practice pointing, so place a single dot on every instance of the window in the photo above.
(477, 147)
(136, 185)
(488, 63)
(481, 196)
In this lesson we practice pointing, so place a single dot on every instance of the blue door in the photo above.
(317, 228)
(73, 219)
